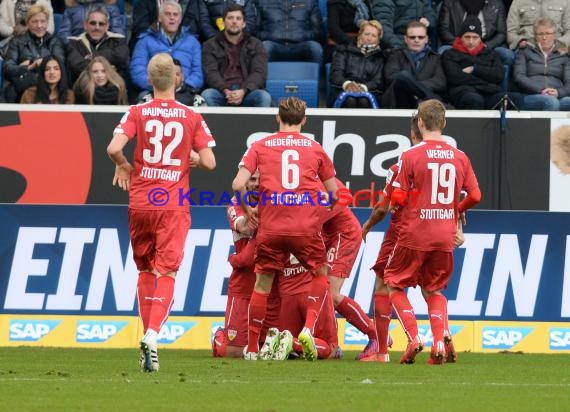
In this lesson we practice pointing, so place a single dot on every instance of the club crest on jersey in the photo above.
(232, 333)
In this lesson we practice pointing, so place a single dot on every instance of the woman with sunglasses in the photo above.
(52, 84)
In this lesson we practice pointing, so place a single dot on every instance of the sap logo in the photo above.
(353, 336)
(503, 338)
(425, 333)
(559, 338)
(172, 331)
(31, 330)
(97, 331)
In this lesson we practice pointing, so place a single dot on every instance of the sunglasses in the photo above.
(97, 23)
(416, 37)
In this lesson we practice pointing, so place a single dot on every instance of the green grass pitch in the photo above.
(48, 379)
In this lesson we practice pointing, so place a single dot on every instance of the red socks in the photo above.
(356, 317)
(256, 316)
(161, 302)
(437, 312)
(317, 298)
(382, 317)
(405, 313)
(145, 293)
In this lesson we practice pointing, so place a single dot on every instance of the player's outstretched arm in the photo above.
(378, 213)
(123, 168)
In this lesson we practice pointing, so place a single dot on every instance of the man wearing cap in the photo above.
(474, 73)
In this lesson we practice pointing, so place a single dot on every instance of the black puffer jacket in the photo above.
(28, 47)
(349, 63)
(452, 15)
(486, 78)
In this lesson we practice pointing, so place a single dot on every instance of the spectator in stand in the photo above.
(235, 65)
(413, 73)
(97, 40)
(168, 36)
(183, 93)
(145, 14)
(358, 66)
(492, 15)
(343, 20)
(13, 17)
(523, 14)
(26, 51)
(52, 84)
(395, 16)
(100, 84)
(211, 16)
(542, 69)
(73, 23)
(291, 31)
(474, 72)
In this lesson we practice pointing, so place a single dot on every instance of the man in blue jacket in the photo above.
(167, 36)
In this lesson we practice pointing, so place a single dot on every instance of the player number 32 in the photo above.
(158, 131)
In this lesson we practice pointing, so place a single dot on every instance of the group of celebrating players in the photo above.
(290, 261)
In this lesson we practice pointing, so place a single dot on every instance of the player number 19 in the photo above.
(442, 176)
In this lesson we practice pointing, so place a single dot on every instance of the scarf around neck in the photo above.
(458, 45)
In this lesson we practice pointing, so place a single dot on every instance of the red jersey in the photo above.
(242, 279)
(292, 168)
(166, 132)
(433, 173)
(295, 279)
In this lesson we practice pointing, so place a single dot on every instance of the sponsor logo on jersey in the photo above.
(27, 330)
(172, 331)
(559, 339)
(425, 333)
(93, 331)
(504, 337)
(353, 336)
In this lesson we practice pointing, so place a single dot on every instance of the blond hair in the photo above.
(86, 85)
(374, 23)
(432, 113)
(161, 72)
(37, 9)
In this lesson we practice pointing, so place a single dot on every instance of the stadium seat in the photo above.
(57, 19)
(299, 79)
(324, 11)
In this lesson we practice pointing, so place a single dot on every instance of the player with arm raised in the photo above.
(291, 167)
(166, 132)
(435, 173)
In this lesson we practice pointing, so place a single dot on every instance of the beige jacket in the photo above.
(523, 14)
(8, 18)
